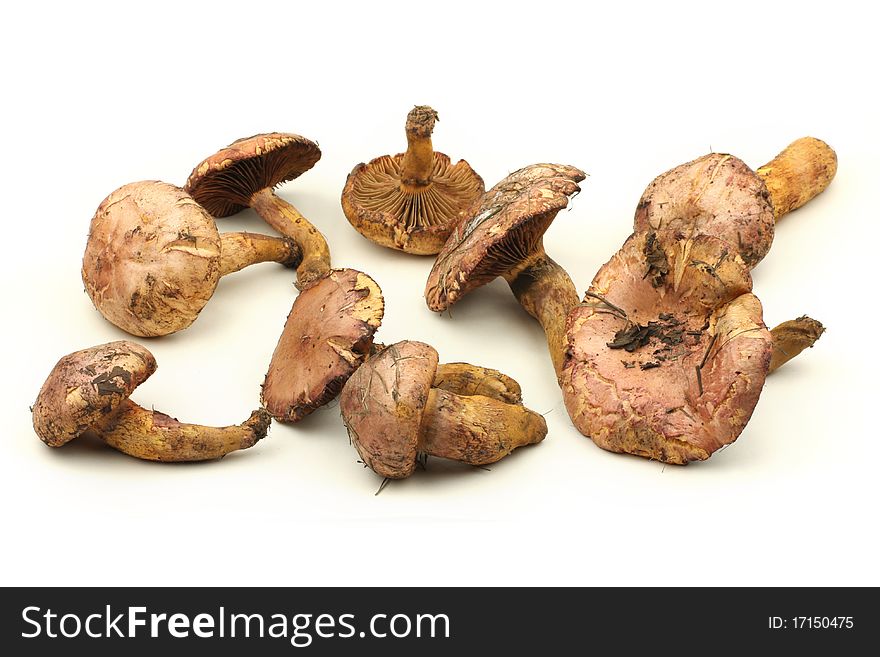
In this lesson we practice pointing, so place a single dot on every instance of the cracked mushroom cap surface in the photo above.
(328, 333)
(224, 183)
(382, 207)
(382, 406)
(152, 260)
(86, 386)
(502, 231)
(667, 370)
(716, 195)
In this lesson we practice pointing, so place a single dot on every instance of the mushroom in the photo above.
(245, 174)
(328, 333)
(410, 201)
(503, 236)
(718, 194)
(668, 353)
(154, 257)
(88, 391)
(393, 412)
(669, 372)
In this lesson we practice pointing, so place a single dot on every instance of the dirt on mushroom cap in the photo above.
(224, 182)
(416, 221)
(691, 386)
(382, 405)
(501, 231)
(327, 335)
(152, 260)
(717, 194)
(87, 385)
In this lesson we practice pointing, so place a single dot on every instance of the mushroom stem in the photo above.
(466, 379)
(288, 221)
(548, 294)
(239, 250)
(154, 436)
(476, 429)
(799, 173)
(791, 338)
(418, 161)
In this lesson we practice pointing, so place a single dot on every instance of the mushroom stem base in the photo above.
(154, 436)
(548, 294)
(418, 164)
(288, 221)
(799, 173)
(476, 430)
(240, 250)
(466, 379)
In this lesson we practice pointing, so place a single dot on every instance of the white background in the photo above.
(97, 96)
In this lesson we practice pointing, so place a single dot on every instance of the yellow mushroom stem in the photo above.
(466, 379)
(476, 429)
(288, 221)
(239, 250)
(418, 161)
(548, 294)
(791, 338)
(154, 436)
(799, 173)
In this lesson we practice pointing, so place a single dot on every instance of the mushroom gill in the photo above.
(411, 201)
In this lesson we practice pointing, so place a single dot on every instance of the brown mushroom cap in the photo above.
(470, 380)
(669, 372)
(414, 217)
(504, 230)
(86, 386)
(327, 334)
(382, 406)
(153, 258)
(416, 221)
(224, 183)
(718, 195)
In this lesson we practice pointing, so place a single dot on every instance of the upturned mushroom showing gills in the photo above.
(394, 411)
(154, 257)
(667, 355)
(328, 333)
(718, 194)
(245, 175)
(503, 235)
(88, 392)
(410, 201)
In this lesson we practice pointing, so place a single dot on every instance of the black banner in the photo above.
(434, 621)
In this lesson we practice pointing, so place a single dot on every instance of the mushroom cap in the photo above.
(718, 195)
(501, 231)
(645, 397)
(86, 386)
(382, 406)
(415, 220)
(224, 183)
(328, 333)
(152, 260)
